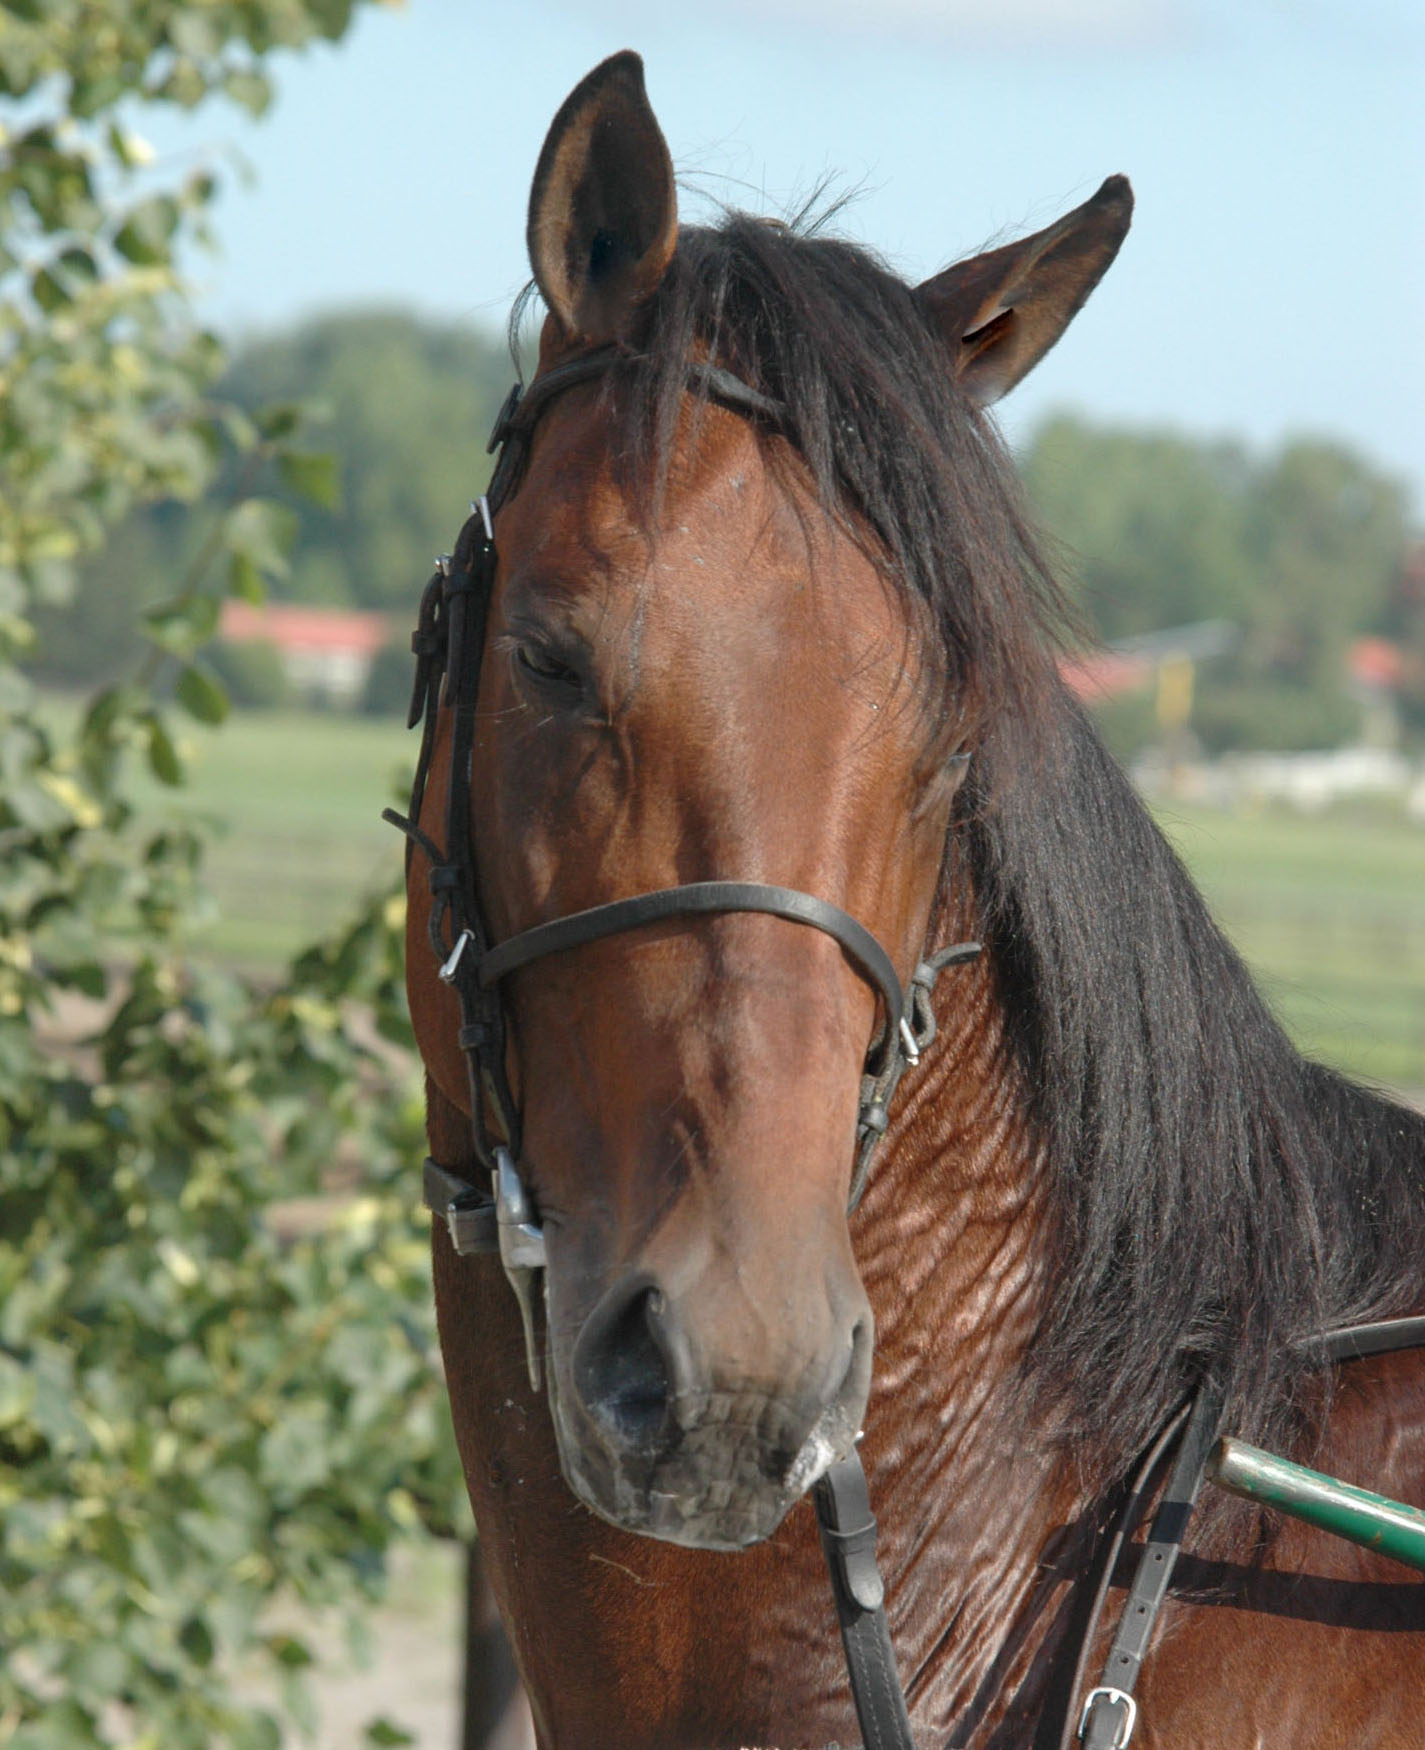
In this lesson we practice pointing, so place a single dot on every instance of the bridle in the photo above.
(448, 644)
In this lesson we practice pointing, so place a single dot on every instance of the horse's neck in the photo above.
(972, 1497)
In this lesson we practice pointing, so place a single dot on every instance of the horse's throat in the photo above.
(974, 1500)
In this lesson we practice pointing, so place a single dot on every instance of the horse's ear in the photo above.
(1002, 311)
(603, 214)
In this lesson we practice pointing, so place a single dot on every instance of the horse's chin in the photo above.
(716, 1487)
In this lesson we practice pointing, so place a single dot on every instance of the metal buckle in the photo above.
(447, 972)
(521, 1248)
(1124, 1730)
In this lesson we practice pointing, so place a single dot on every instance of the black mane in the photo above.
(1216, 1199)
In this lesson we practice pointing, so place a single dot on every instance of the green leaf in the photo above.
(384, 1732)
(245, 580)
(162, 755)
(311, 475)
(250, 89)
(185, 621)
(280, 420)
(264, 531)
(49, 292)
(86, 976)
(200, 695)
(289, 1652)
(17, 1392)
(145, 235)
(197, 1642)
(79, 264)
(256, 1731)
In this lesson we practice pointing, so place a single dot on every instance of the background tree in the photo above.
(1302, 550)
(205, 1402)
(404, 404)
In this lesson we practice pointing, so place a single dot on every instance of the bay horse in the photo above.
(763, 581)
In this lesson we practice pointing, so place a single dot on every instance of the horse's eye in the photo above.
(546, 668)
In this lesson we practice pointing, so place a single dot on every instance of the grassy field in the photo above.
(1329, 911)
(299, 796)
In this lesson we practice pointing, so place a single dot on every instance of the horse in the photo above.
(766, 616)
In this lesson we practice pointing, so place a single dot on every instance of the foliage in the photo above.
(407, 406)
(1302, 550)
(209, 1397)
(250, 674)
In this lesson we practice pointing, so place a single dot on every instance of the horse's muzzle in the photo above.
(660, 1437)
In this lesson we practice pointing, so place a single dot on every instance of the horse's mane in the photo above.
(1215, 1199)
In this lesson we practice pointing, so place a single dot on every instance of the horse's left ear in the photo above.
(603, 213)
(1002, 311)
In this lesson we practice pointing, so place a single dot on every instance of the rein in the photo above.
(448, 644)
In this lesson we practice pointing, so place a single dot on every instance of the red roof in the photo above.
(1100, 674)
(290, 626)
(1376, 662)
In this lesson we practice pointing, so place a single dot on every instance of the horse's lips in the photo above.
(719, 1512)
(820, 1450)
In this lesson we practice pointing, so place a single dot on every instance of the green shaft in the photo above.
(1388, 1527)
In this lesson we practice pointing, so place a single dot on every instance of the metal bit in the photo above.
(521, 1249)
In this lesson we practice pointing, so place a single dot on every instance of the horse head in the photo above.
(704, 659)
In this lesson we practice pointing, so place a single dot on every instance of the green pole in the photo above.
(1388, 1527)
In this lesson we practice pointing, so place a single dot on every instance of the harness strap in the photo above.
(848, 1541)
(468, 1212)
(1110, 1710)
(1355, 1342)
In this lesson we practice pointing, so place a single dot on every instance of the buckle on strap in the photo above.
(446, 973)
(468, 1213)
(848, 1533)
(1122, 1731)
(521, 1243)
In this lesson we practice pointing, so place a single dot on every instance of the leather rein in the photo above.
(502, 1219)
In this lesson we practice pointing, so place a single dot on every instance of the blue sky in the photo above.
(1274, 279)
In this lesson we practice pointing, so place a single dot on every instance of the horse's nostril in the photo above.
(621, 1368)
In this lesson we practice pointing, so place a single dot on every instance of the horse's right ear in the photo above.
(1000, 312)
(603, 214)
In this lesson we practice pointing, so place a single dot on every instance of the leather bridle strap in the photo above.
(698, 898)
(848, 1542)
